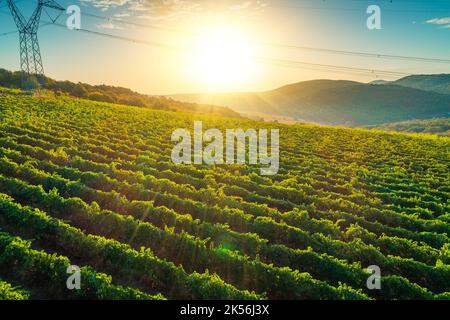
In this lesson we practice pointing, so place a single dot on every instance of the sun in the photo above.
(223, 58)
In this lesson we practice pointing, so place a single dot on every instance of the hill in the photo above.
(335, 102)
(436, 83)
(111, 94)
(379, 82)
(439, 126)
(92, 184)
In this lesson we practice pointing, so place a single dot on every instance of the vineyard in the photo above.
(92, 184)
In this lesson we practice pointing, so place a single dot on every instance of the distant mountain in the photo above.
(379, 82)
(437, 82)
(335, 102)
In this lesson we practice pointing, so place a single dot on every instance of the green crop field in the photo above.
(93, 185)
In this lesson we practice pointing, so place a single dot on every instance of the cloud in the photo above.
(173, 9)
(106, 4)
(109, 26)
(443, 22)
(122, 15)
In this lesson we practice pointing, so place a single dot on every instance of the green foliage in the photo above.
(438, 126)
(110, 94)
(8, 292)
(95, 183)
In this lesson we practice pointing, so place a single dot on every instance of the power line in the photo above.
(280, 62)
(277, 62)
(9, 32)
(117, 37)
(334, 68)
(361, 54)
(285, 46)
(344, 9)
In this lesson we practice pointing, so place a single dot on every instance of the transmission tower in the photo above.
(30, 54)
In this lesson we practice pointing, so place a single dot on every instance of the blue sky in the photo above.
(164, 63)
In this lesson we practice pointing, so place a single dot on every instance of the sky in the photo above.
(192, 46)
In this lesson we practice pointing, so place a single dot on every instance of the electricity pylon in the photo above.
(30, 54)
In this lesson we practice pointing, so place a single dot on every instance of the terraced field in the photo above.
(93, 185)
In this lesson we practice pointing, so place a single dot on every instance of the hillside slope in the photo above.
(94, 183)
(439, 83)
(335, 102)
(439, 126)
(105, 93)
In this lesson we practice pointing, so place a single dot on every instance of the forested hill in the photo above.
(92, 184)
(335, 102)
(438, 126)
(105, 93)
(435, 82)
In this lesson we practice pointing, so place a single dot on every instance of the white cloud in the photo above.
(178, 8)
(122, 15)
(439, 21)
(109, 26)
(443, 22)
